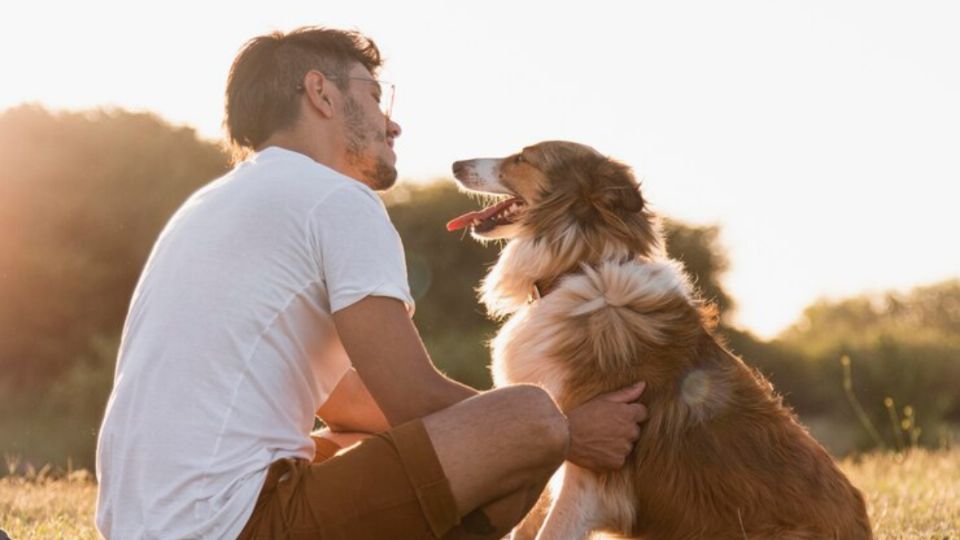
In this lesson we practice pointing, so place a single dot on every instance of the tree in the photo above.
(904, 347)
(698, 248)
(82, 197)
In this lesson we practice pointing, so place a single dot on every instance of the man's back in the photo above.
(228, 348)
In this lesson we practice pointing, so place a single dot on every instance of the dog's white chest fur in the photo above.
(522, 353)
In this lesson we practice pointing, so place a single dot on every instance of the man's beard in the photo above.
(379, 174)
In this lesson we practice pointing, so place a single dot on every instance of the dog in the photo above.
(593, 305)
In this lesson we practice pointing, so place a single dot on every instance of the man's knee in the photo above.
(540, 421)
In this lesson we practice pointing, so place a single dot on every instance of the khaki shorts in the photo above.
(389, 486)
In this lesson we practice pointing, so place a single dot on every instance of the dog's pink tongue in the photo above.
(460, 222)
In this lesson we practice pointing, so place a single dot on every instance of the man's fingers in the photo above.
(640, 412)
(628, 394)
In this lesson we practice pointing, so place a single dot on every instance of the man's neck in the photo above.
(301, 145)
(314, 148)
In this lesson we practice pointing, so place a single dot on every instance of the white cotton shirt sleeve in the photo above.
(360, 252)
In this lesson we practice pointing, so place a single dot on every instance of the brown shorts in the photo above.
(389, 486)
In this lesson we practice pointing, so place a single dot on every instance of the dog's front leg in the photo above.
(576, 508)
(531, 524)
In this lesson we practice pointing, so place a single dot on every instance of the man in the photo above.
(278, 292)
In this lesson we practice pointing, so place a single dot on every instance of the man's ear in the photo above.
(319, 89)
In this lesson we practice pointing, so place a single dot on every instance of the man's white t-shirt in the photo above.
(229, 347)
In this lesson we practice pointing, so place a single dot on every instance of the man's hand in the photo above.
(604, 429)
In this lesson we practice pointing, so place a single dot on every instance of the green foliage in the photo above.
(903, 346)
(60, 422)
(443, 269)
(929, 314)
(698, 248)
(82, 197)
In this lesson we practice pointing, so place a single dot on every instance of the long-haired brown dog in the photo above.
(595, 305)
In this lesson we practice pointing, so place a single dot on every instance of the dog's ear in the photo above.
(614, 187)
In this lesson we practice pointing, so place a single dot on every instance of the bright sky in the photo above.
(823, 136)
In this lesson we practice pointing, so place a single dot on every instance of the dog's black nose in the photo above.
(458, 167)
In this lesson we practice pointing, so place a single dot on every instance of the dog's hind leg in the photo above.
(576, 508)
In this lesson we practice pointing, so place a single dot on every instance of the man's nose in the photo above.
(393, 129)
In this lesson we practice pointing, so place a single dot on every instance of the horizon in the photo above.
(806, 132)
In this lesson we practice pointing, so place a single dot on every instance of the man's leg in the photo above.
(476, 525)
(483, 461)
(498, 450)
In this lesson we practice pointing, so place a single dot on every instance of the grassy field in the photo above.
(910, 496)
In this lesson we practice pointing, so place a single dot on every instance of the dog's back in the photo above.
(720, 456)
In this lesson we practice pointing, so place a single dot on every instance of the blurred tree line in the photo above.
(83, 196)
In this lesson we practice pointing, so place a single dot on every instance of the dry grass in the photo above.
(915, 495)
(41, 508)
(910, 496)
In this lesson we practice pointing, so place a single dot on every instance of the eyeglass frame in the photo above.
(392, 88)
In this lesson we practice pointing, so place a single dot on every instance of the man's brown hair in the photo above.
(265, 79)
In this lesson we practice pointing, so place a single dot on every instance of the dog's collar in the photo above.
(539, 289)
(534, 293)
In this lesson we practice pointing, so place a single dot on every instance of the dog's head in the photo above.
(558, 188)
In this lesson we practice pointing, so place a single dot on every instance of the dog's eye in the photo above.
(519, 159)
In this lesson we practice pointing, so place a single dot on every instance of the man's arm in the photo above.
(351, 408)
(385, 349)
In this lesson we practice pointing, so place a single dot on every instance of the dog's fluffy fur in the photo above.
(720, 456)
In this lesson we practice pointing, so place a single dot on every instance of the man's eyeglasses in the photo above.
(385, 91)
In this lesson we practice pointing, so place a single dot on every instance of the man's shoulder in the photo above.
(301, 176)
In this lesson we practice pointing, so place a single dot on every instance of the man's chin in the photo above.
(383, 176)
(379, 173)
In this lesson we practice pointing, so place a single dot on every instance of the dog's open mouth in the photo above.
(491, 217)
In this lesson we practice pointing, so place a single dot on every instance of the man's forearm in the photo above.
(440, 393)
(453, 392)
(351, 408)
(387, 352)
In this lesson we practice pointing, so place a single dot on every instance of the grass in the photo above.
(912, 495)
(38, 507)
